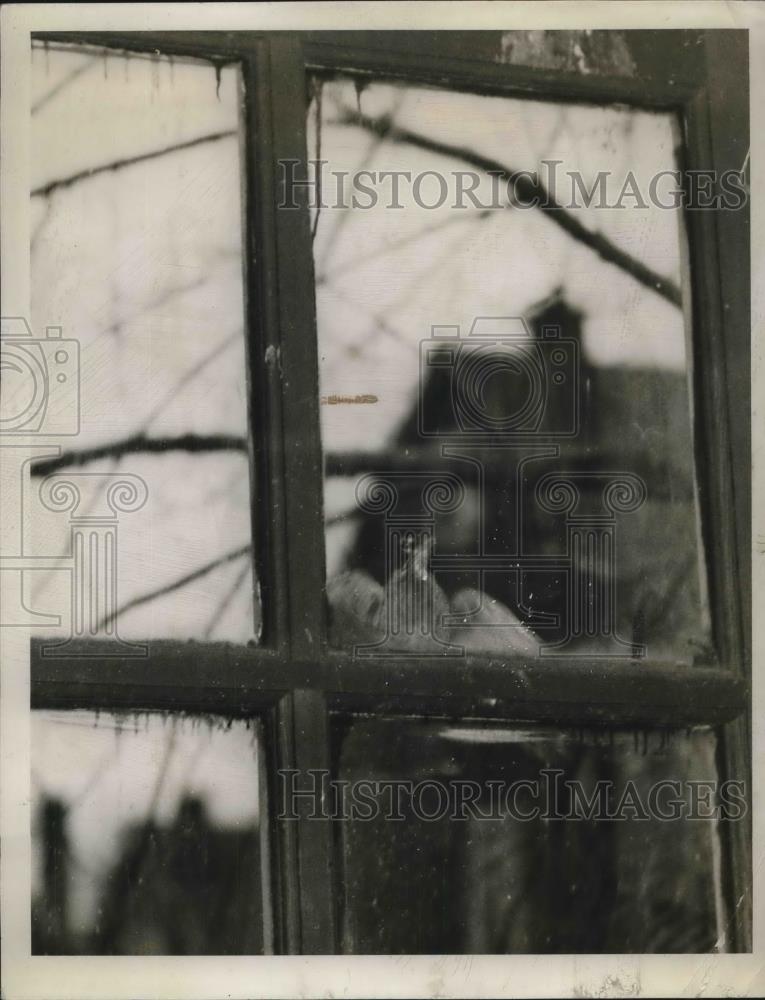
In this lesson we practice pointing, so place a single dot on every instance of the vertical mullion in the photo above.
(733, 764)
(298, 359)
(269, 872)
(728, 125)
(284, 833)
(268, 521)
(718, 243)
(298, 374)
(316, 869)
(278, 105)
(729, 130)
(711, 399)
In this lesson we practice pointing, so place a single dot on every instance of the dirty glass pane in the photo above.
(441, 850)
(504, 383)
(146, 836)
(136, 253)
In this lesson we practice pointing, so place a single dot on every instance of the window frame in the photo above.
(293, 680)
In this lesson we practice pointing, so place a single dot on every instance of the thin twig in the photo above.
(83, 175)
(161, 300)
(69, 78)
(176, 584)
(356, 260)
(190, 375)
(343, 217)
(226, 600)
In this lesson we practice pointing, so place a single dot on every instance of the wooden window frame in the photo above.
(293, 681)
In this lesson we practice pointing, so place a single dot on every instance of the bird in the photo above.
(407, 614)
(486, 625)
(356, 609)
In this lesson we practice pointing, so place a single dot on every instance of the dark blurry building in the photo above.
(184, 889)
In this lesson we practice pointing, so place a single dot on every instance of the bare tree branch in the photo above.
(405, 294)
(69, 78)
(226, 600)
(161, 300)
(176, 584)
(83, 459)
(342, 219)
(35, 237)
(526, 190)
(82, 175)
(140, 444)
(190, 375)
(326, 277)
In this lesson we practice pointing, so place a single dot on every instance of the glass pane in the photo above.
(505, 389)
(137, 258)
(146, 836)
(478, 839)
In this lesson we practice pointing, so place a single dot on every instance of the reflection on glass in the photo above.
(146, 836)
(468, 868)
(136, 254)
(592, 380)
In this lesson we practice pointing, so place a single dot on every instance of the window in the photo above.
(332, 567)
(617, 345)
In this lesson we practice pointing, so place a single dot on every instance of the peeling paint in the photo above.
(582, 52)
